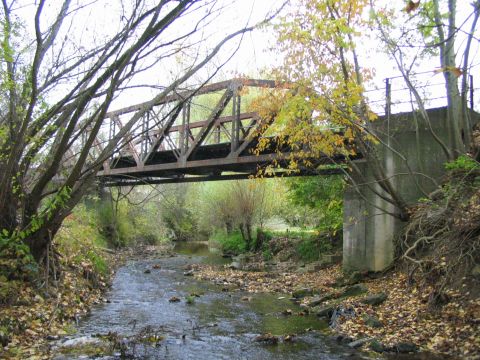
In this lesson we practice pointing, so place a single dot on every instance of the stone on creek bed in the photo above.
(405, 348)
(372, 321)
(267, 339)
(357, 343)
(377, 346)
(374, 299)
(354, 290)
(84, 340)
(235, 265)
(324, 311)
(317, 300)
(302, 292)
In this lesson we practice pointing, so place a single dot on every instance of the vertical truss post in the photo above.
(217, 134)
(184, 132)
(237, 116)
(111, 132)
(144, 136)
(187, 127)
(235, 121)
(181, 131)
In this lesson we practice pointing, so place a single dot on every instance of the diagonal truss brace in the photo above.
(226, 97)
(163, 133)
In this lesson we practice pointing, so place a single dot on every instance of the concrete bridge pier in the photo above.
(368, 231)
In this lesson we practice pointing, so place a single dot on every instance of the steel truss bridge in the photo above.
(183, 138)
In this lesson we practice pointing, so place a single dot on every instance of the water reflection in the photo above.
(203, 249)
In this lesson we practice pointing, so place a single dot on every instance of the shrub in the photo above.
(463, 163)
(146, 229)
(149, 239)
(316, 201)
(261, 239)
(16, 262)
(115, 224)
(180, 222)
(99, 264)
(310, 249)
(16, 265)
(230, 243)
(9, 290)
(267, 255)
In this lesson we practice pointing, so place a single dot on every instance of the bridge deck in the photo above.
(211, 162)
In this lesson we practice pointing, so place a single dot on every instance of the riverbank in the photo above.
(383, 312)
(40, 315)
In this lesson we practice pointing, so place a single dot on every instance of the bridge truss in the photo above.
(186, 139)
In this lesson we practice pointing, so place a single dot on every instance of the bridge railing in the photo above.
(395, 97)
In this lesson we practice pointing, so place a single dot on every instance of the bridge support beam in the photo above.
(414, 163)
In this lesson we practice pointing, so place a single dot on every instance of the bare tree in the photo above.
(59, 78)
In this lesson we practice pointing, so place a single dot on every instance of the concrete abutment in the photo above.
(414, 161)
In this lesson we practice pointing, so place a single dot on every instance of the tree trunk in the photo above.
(229, 227)
(248, 231)
(242, 231)
(260, 239)
(447, 63)
(39, 241)
(8, 213)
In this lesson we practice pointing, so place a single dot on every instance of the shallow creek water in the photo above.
(218, 325)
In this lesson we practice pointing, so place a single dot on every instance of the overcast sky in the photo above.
(250, 59)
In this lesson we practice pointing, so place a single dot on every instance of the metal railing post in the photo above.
(388, 97)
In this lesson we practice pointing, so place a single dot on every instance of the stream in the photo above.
(218, 324)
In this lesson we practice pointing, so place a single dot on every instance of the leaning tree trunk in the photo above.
(242, 231)
(39, 241)
(447, 65)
